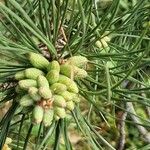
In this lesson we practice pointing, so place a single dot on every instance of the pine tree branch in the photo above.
(130, 108)
(121, 126)
(142, 130)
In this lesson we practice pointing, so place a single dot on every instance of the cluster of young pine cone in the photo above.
(50, 87)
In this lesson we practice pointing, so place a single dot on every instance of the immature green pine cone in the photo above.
(78, 61)
(70, 105)
(52, 76)
(38, 61)
(25, 84)
(48, 117)
(98, 44)
(33, 73)
(59, 101)
(71, 85)
(64, 80)
(107, 39)
(79, 73)
(67, 95)
(33, 92)
(26, 100)
(38, 113)
(58, 88)
(67, 70)
(54, 65)
(45, 92)
(103, 42)
(60, 112)
(42, 82)
(76, 98)
(19, 75)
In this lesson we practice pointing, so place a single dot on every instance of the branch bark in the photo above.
(121, 126)
(142, 130)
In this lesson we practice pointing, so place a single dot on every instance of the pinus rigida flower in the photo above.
(49, 87)
(62, 72)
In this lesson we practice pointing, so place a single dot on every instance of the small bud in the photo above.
(78, 61)
(58, 88)
(52, 76)
(67, 95)
(26, 100)
(107, 39)
(64, 80)
(80, 73)
(19, 75)
(38, 61)
(71, 85)
(70, 105)
(104, 43)
(45, 92)
(33, 73)
(60, 112)
(98, 44)
(67, 70)
(76, 99)
(42, 82)
(59, 101)
(54, 65)
(8, 140)
(48, 117)
(33, 92)
(25, 84)
(38, 113)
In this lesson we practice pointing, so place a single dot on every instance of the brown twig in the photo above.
(137, 121)
(63, 33)
(130, 108)
(121, 126)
